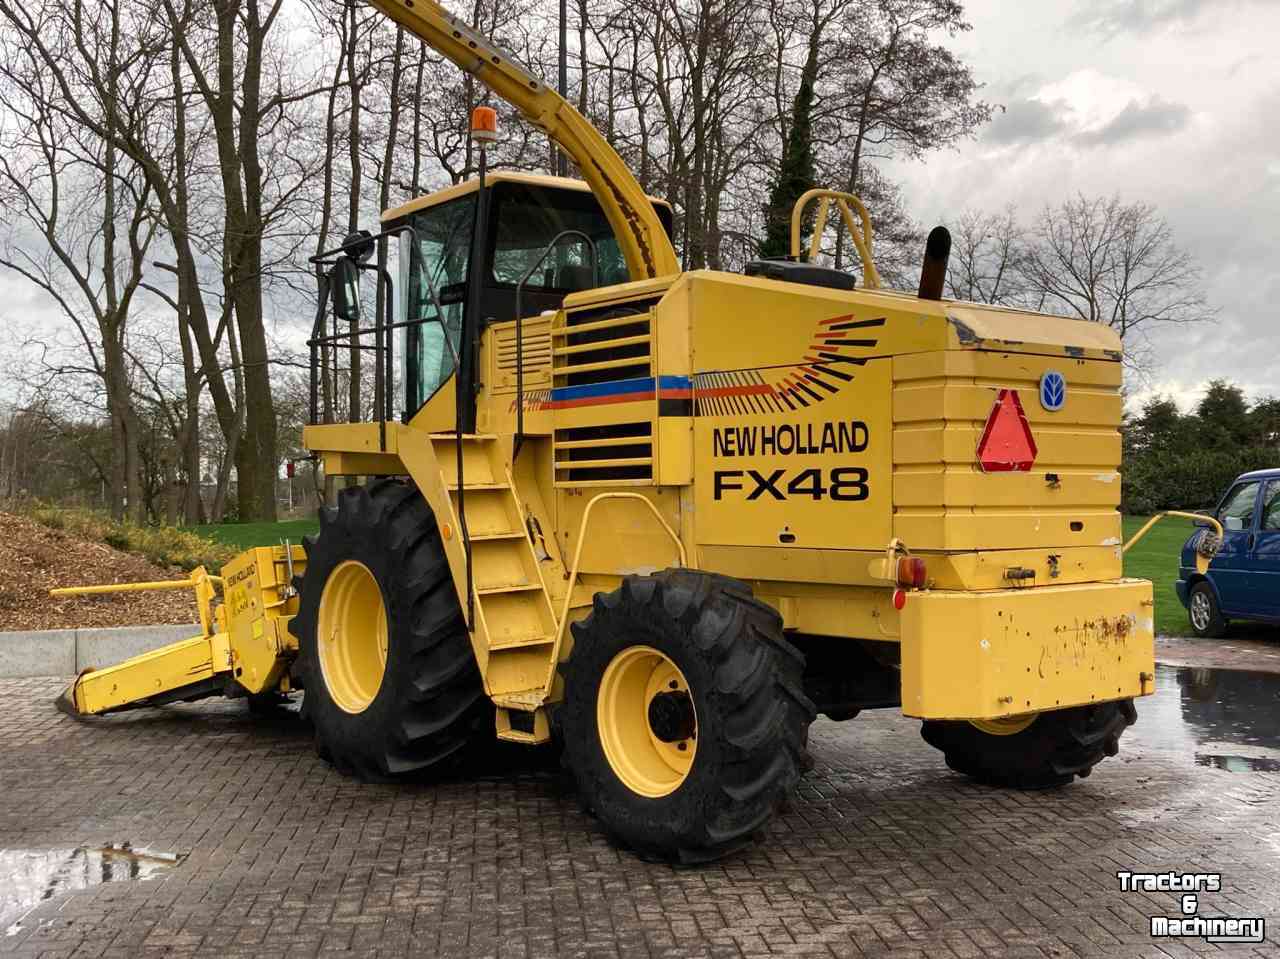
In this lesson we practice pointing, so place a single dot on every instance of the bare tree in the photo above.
(987, 258)
(1107, 261)
(81, 227)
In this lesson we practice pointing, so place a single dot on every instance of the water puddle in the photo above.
(1225, 718)
(29, 877)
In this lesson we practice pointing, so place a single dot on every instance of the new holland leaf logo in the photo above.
(1053, 391)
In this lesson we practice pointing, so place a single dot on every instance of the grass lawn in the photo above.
(245, 535)
(1156, 558)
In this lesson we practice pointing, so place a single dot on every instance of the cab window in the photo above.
(1237, 509)
(527, 217)
(442, 253)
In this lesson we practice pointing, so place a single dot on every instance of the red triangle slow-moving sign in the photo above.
(1007, 444)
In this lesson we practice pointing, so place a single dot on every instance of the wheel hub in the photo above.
(1199, 611)
(671, 716)
(351, 633)
(647, 721)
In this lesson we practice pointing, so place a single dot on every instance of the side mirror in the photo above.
(344, 278)
(452, 293)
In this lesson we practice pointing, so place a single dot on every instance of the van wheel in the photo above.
(1036, 751)
(1207, 620)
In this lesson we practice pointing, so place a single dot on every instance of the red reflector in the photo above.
(1007, 444)
(899, 598)
(912, 572)
(288, 468)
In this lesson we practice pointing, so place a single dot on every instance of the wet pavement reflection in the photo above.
(28, 877)
(1222, 718)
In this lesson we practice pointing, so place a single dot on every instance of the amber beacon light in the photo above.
(484, 124)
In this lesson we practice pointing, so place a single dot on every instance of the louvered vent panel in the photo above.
(537, 350)
(608, 349)
(601, 346)
(617, 454)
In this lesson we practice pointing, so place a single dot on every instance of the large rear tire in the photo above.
(1037, 752)
(392, 687)
(684, 720)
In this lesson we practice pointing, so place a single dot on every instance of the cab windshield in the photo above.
(522, 219)
(526, 218)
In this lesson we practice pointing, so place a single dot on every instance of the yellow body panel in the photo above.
(258, 599)
(984, 655)
(788, 433)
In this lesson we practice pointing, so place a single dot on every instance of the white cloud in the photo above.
(1182, 119)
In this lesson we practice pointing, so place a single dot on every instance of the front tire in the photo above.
(1206, 618)
(1037, 752)
(392, 687)
(684, 720)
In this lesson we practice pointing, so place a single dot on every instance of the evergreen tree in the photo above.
(795, 172)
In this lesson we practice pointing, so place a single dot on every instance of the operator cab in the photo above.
(523, 214)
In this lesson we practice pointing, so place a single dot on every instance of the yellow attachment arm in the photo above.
(643, 241)
(861, 237)
(1204, 550)
(200, 580)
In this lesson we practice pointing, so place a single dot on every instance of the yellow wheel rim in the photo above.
(650, 761)
(352, 636)
(1005, 725)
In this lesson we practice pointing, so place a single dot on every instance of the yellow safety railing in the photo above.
(200, 580)
(563, 622)
(1206, 549)
(862, 238)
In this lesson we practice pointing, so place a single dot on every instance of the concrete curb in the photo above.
(64, 652)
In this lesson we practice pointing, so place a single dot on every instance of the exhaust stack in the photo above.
(933, 274)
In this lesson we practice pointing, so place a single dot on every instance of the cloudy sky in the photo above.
(1172, 102)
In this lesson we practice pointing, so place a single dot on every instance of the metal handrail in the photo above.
(595, 278)
(384, 360)
(563, 621)
(861, 239)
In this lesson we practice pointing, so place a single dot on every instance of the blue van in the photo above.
(1243, 581)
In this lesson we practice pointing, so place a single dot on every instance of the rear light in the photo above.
(899, 598)
(912, 572)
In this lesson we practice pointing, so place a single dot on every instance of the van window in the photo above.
(1271, 506)
(1237, 510)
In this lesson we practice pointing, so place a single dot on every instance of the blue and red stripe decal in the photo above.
(674, 394)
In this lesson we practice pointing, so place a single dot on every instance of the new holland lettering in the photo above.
(790, 439)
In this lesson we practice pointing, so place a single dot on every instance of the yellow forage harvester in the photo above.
(668, 517)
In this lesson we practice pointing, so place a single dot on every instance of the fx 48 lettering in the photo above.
(841, 483)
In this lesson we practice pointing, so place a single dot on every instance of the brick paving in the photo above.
(883, 852)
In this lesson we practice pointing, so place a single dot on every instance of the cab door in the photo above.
(1229, 570)
(1264, 557)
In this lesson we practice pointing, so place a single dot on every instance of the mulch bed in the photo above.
(35, 559)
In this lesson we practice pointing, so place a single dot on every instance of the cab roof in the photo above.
(1271, 472)
(497, 176)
